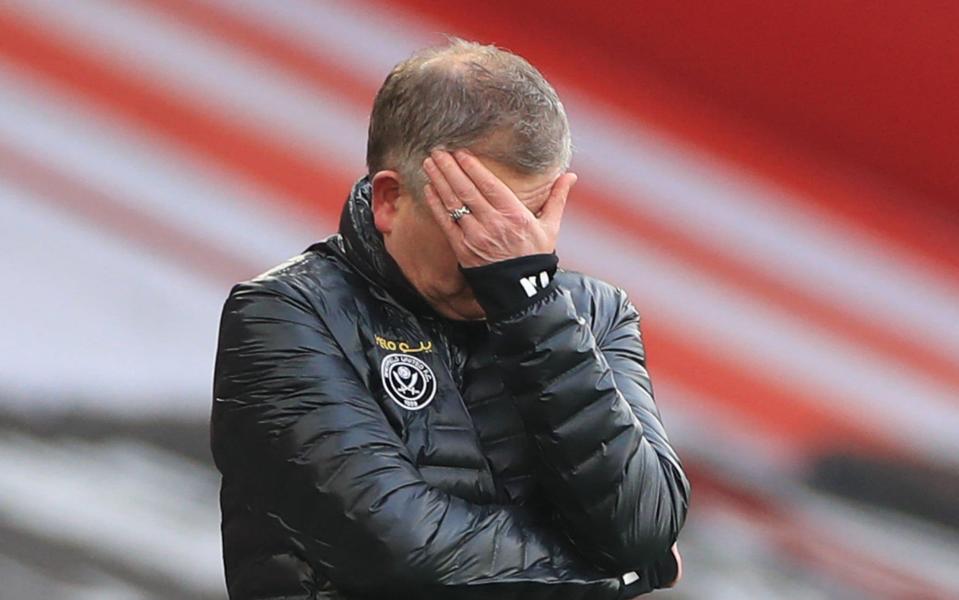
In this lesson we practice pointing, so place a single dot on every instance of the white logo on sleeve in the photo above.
(630, 577)
(530, 283)
(408, 381)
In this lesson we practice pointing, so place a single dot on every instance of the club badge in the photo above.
(408, 380)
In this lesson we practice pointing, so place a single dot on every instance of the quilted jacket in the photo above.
(370, 448)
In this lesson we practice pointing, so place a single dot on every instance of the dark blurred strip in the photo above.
(919, 490)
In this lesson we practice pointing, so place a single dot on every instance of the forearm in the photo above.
(618, 488)
(376, 527)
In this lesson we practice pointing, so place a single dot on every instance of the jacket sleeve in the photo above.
(295, 424)
(617, 484)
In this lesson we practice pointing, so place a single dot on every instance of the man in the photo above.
(423, 406)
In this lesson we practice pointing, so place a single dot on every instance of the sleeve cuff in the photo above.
(505, 287)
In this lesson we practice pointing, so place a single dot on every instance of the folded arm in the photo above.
(617, 483)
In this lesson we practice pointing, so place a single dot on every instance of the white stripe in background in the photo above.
(760, 226)
(132, 504)
(27, 581)
(924, 550)
(149, 175)
(754, 222)
(370, 40)
(717, 437)
(341, 31)
(95, 324)
(760, 465)
(109, 357)
(736, 558)
(913, 411)
(760, 334)
(209, 73)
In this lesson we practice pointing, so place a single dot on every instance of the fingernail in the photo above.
(428, 163)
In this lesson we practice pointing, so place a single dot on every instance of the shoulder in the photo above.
(595, 295)
(603, 304)
(284, 310)
(314, 279)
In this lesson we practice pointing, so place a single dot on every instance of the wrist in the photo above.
(508, 286)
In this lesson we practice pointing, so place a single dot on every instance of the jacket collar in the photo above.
(363, 247)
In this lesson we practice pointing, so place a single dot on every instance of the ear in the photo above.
(386, 195)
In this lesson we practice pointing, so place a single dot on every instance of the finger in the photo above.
(679, 566)
(442, 216)
(488, 185)
(460, 185)
(440, 186)
(552, 211)
(448, 199)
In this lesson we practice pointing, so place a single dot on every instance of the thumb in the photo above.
(552, 212)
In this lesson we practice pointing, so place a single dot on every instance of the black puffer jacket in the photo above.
(370, 448)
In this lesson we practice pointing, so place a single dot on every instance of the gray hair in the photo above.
(466, 95)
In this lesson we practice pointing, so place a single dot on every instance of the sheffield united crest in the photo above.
(408, 381)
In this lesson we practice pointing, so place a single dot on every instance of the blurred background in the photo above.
(776, 184)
